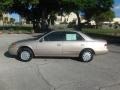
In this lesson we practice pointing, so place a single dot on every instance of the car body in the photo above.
(59, 44)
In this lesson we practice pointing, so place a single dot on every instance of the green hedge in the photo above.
(15, 28)
(100, 31)
(111, 32)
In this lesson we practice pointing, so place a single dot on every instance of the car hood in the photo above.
(25, 41)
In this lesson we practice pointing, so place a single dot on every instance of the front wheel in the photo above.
(25, 54)
(86, 55)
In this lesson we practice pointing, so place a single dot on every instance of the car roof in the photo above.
(65, 31)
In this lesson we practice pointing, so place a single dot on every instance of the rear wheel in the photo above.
(86, 55)
(25, 54)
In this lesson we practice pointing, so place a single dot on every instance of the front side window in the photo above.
(55, 36)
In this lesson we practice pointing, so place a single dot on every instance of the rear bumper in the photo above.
(100, 52)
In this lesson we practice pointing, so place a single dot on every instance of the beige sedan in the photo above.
(59, 44)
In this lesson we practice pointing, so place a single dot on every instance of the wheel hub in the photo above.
(87, 56)
(25, 55)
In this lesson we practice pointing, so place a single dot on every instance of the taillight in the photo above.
(106, 44)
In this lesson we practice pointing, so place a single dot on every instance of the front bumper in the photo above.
(12, 50)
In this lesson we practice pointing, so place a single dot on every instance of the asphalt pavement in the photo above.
(103, 73)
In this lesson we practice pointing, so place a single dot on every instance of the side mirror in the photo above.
(41, 40)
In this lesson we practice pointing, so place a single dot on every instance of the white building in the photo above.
(116, 20)
(67, 18)
(5, 19)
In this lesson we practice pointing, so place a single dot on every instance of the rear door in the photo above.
(72, 45)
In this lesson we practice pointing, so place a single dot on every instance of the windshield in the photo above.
(40, 35)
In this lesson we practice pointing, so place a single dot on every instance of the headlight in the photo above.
(13, 45)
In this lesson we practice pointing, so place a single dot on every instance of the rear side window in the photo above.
(73, 36)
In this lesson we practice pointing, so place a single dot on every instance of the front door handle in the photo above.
(58, 44)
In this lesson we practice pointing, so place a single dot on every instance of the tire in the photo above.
(25, 54)
(86, 55)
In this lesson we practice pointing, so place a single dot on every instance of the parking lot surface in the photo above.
(103, 73)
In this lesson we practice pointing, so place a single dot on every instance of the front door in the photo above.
(51, 45)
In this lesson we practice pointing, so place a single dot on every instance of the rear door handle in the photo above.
(82, 45)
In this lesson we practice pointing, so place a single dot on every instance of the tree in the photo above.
(5, 20)
(90, 8)
(12, 20)
(36, 11)
(69, 6)
(1, 16)
(104, 16)
(39, 11)
(100, 6)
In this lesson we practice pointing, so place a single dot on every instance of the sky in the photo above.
(116, 9)
(15, 16)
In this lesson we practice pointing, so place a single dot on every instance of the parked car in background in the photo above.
(59, 44)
